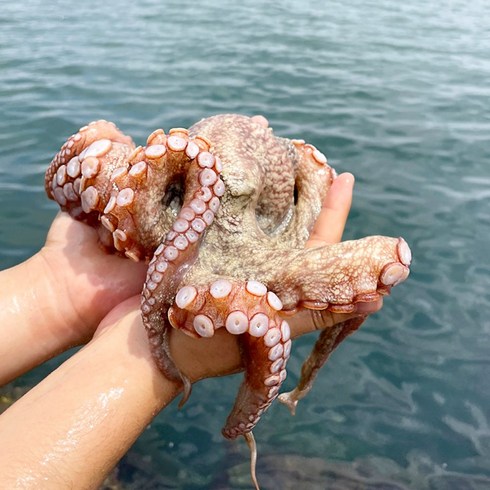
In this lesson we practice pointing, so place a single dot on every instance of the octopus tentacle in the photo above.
(77, 178)
(328, 340)
(241, 308)
(313, 178)
(249, 310)
(144, 206)
(175, 255)
(379, 263)
(337, 276)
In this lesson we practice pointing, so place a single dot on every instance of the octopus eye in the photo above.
(296, 193)
(174, 196)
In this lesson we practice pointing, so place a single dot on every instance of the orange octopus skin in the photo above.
(222, 212)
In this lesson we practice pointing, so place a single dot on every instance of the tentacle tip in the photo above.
(404, 252)
(290, 401)
(187, 389)
(393, 274)
(250, 439)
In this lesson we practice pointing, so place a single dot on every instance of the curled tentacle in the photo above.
(78, 178)
(241, 308)
(132, 196)
(185, 163)
(169, 189)
(335, 278)
(249, 310)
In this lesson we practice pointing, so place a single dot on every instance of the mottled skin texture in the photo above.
(223, 211)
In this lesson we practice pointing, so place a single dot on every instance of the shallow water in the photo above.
(396, 94)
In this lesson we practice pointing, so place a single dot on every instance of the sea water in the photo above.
(395, 92)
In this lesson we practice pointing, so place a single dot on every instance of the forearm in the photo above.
(56, 299)
(84, 407)
(29, 309)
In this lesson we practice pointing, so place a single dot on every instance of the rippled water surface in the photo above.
(395, 92)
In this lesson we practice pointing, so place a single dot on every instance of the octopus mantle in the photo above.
(222, 212)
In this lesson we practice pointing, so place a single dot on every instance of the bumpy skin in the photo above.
(223, 211)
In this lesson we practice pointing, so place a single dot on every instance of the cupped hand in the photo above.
(86, 281)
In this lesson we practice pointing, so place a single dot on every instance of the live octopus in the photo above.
(222, 212)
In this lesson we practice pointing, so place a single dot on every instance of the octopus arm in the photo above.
(336, 277)
(248, 310)
(328, 340)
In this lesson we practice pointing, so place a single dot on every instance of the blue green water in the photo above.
(398, 94)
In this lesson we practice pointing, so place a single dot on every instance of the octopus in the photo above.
(221, 213)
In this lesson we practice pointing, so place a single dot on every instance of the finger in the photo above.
(306, 321)
(331, 222)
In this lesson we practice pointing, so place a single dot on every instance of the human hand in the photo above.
(86, 282)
